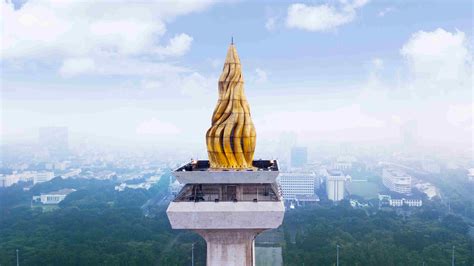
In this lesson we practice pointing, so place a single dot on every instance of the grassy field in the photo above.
(367, 190)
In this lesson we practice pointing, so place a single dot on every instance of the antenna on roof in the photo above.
(232, 40)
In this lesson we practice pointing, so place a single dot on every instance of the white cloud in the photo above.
(156, 127)
(178, 45)
(385, 11)
(121, 66)
(151, 84)
(437, 55)
(270, 24)
(377, 63)
(196, 85)
(188, 84)
(461, 115)
(317, 123)
(261, 75)
(76, 66)
(215, 62)
(57, 30)
(435, 92)
(322, 17)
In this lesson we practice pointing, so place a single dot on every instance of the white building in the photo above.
(72, 173)
(429, 189)
(335, 184)
(53, 197)
(397, 181)
(397, 201)
(344, 162)
(43, 177)
(8, 180)
(293, 184)
(27, 176)
(147, 184)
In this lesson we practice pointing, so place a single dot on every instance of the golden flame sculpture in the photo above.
(231, 138)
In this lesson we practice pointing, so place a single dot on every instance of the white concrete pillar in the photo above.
(230, 247)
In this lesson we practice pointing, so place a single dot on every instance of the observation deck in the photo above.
(199, 172)
(227, 198)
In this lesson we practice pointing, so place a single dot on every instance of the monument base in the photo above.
(230, 247)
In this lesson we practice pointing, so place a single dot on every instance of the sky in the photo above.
(145, 72)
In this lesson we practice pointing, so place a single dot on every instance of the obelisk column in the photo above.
(230, 247)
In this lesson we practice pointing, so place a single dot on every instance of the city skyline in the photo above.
(336, 71)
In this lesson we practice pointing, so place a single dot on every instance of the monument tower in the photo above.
(230, 198)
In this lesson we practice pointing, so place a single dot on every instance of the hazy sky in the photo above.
(146, 72)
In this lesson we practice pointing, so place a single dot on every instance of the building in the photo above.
(356, 204)
(9, 180)
(396, 180)
(230, 198)
(429, 189)
(294, 184)
(336, 185)
(54, 197)
(299, 157)
(140, 183)
(344, 162)
(72, 173)
(41, 177)
(302, 200)
(399, 200)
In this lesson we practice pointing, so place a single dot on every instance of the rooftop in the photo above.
(335, 172)
(203, 165)
(396, 172)
(64, 191)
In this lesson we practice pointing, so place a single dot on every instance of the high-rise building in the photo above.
(299, 157)
(55, 140)
(335, 185)
(294, 184)
(41, 177)
(396, 180)
(230, 198)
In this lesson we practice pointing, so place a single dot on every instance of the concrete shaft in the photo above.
(230, 247)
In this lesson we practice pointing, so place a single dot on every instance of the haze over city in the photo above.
(147, 73)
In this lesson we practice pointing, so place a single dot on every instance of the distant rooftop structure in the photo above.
(336, 184)
(395, 199)
(64, 191)
(54, 197)
(397, 180)
(204, 165)
(334, 172)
